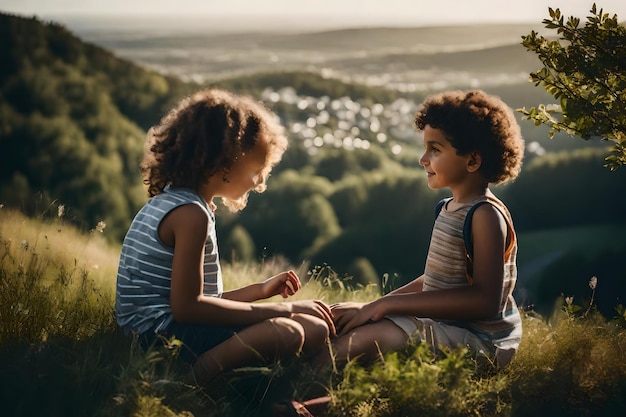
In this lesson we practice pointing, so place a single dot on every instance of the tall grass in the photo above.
(62, 354)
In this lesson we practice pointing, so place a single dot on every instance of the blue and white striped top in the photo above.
(144, 276)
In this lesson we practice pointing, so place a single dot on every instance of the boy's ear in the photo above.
(474, 162)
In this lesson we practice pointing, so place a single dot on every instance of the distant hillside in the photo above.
(378, 64)
(72, 120)
(73, 117)
(507, 59)
(459, 55)
(346, 41)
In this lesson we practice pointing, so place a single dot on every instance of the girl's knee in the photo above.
(315, 328)
(317, 333)
(288, 333)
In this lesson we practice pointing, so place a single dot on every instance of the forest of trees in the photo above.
(73, 119)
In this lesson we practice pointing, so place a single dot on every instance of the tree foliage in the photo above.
(585, 70)
(72, 124)
(549, 193)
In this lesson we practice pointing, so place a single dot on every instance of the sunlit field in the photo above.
(63, 355)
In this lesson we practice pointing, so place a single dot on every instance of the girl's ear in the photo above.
(474, 161)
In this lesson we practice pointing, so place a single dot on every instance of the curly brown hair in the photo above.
(204, 135)
(475, 121)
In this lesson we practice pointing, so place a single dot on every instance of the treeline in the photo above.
(378, 221)
(72, 126)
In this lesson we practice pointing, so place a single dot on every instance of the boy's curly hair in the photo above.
(204, 135)
(476, 121)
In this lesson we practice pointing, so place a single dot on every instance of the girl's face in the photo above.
(247, 173)
(442, 164)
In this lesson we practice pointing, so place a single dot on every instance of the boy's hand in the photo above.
(286, 284)
(344, 313)
(350, 315)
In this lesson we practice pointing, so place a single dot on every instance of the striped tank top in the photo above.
(446, 268)
(142, 300)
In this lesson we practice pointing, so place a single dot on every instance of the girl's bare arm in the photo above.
(185, 227)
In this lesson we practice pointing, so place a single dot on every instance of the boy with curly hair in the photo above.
(464, 298)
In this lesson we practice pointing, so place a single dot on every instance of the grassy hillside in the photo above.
(61, 354)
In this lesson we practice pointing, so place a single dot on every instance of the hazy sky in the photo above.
(350, 12)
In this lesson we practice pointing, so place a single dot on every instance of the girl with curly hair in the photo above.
(213, 144)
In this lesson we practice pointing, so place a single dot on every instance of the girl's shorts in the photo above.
(196, 338)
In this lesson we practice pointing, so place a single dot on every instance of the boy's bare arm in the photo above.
(480, 300)
(414, 286)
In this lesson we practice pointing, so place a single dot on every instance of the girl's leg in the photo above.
(270, 339)
(365, 342)
(316, 333)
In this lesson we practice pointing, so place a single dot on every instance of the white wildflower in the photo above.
(61, 210)
(593, 282)
(25, 245)
(569, 300)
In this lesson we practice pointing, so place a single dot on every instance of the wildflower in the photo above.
(569, 300)
(100, 226)
(25, 245)
(593, 282)
(61, 210)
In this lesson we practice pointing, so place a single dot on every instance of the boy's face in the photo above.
(440, 160)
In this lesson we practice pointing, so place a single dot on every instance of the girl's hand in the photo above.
(286, 284)
(315, 308)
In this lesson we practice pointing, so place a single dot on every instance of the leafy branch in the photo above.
(584, 69)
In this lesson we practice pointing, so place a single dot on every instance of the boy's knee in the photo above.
(369, 342)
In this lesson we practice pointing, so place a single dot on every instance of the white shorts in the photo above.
(437, 334)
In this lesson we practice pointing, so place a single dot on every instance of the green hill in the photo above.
(72, 119)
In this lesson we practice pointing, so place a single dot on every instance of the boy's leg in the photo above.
(269, 339)
(365, 342)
